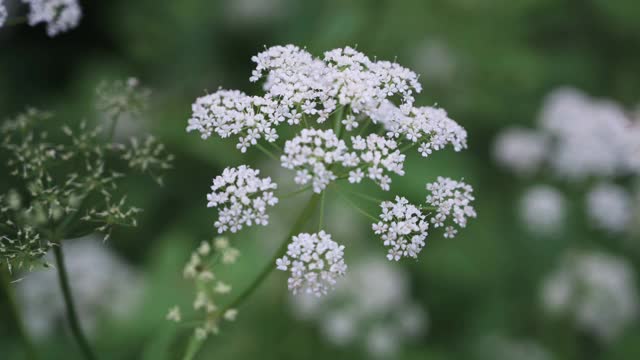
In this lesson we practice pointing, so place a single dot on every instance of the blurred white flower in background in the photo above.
(595, 290)
(521, 150)
(543, 209)
(590, 134)
(579, 139)
(610, 207)
(59, 15)
(3, 13)
(103, 285)
(371, 306)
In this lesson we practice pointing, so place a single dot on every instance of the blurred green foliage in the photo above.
(507, 55)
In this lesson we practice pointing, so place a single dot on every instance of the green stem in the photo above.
(294, 193)
(365, 196)
(194, 343)
(337, 127)
(15, 313)
(15, 21)
(360, 210)
(267, 152)
(114, 124)
(321, 221)
(72, 315)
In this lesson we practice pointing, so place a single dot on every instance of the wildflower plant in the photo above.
(68, 185)
(334, 121)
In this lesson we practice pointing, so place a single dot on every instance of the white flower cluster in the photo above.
(597, 291)
(102, 284)
(300, 87)
(370, 105)
(375, 154)
(403, 228)
(316, 263)
(311, 154)
(520, 150)
(241, 198)
(3, 13)
(429, 126)
(542, 209)
(232, 112)
(452, 201)
(59, 15)
(610, 207)
(371, 305)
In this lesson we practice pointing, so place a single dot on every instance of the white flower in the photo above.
(597, 291)
(3, 13)
(520, 150)
(403, 229)
(375, 154)
(59, 15)
(452, 201)
(590, 135)
(542, 209)
(174, 314)
(311, 154)
(610, 207)
(242, 198)
(316, 263)
(350, 122)
(230, 314)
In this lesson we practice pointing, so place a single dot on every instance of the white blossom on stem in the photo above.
(375, 154)
(403, 228)
(311, 154)
(452, 201)
(242, 198)
(315, 263)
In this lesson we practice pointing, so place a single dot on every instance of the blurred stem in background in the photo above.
(195, 344)
(12, 306)
(72, 315)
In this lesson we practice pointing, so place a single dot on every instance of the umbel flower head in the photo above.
(341, 118)
(315, 262)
